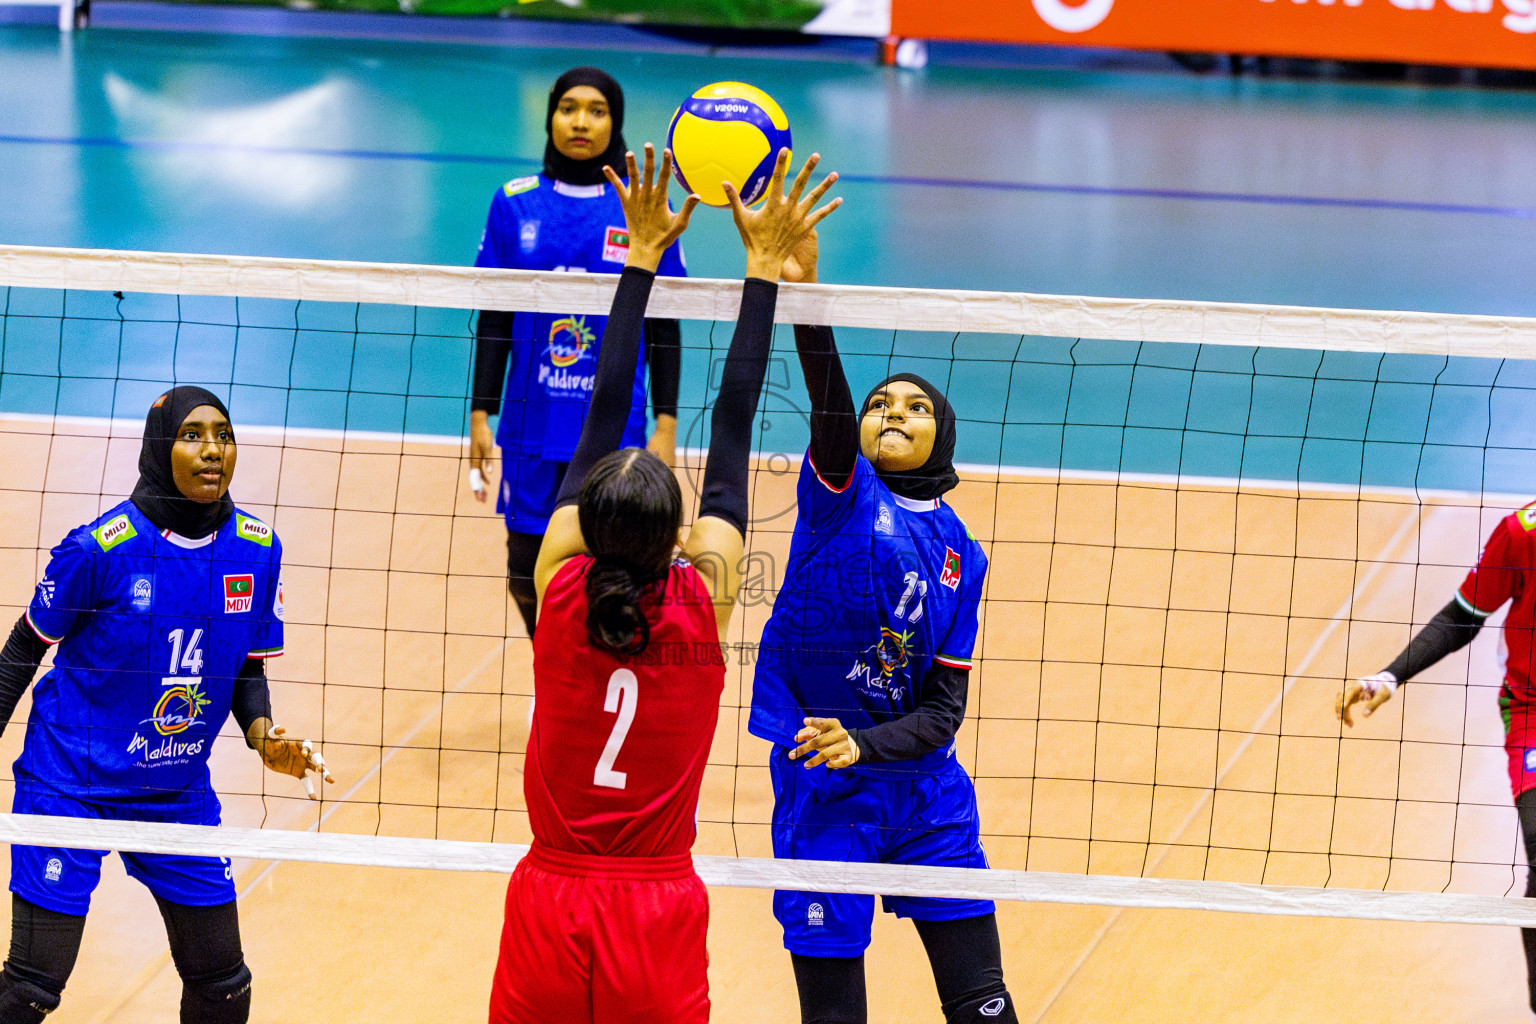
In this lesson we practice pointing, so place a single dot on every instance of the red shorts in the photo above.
(603, 940)
(1519, 739)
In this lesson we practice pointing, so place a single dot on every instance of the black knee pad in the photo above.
(985, 1007)
(223, 998)
(23, 1001)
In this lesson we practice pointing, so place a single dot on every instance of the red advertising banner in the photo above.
(1477, 33)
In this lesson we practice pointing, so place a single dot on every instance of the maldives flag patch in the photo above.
(616, 245)
(950, 577)
(239, 592)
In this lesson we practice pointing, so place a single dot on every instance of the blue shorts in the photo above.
(528, 491)
(62, 880)
(819, 814)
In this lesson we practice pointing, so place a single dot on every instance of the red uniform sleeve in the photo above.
(1501, 572)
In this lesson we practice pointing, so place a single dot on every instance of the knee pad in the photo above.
(222, 998)
(993, 1004)
(23, 1001)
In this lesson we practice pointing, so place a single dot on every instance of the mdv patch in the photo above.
(239, 592)
(114, 532)
(141, 591)
(253, 530)
(950, 575)
(616, 245)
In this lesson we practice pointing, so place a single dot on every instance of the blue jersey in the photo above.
(537, 223)
(152, 629)
(878, 588)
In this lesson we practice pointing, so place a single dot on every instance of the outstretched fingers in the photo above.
(804, 177)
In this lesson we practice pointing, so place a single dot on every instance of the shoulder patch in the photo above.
(517, 185)
(253, 530)
(114, 532)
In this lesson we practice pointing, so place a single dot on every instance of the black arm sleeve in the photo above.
(1452, 628)
(608, 407)
(493, 343)
(253, 699)
(664, 349)
(929, 728)
(834, 421)
(741, 385)
(19, 659)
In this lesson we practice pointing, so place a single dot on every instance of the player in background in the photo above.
(1506, 572)
(164, 610)
(536, 369)
(605, 917)
(861, 685)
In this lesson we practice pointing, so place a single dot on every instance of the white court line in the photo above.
(1341, 616)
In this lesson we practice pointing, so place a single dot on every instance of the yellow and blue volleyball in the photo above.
(729, 131)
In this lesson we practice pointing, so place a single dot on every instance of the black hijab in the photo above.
(936, 476)
(156, 494)
(590, 171)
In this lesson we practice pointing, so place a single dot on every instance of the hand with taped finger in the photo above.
(1369, 691)
(288, 757)
(833, 745)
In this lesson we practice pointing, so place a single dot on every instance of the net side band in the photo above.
(910, 309)
(765, 873)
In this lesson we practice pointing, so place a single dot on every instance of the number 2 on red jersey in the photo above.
(623, 692)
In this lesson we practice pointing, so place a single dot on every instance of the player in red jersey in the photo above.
(605, 917)
(1505, 572)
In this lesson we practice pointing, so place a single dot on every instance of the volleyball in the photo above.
(728, 131)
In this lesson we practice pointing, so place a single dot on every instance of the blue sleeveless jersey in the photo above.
(537, 223)
(877, 589)
(151, 631)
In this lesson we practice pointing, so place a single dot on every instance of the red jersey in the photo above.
(618, 746)
(1507, 572)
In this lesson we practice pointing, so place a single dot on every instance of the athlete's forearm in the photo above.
(724, 493)
(253, 698)
(834, 421)
(19, 659)
(1452, 628)
(931, 726)
(493, 343)
(663, 348)
(608, 407)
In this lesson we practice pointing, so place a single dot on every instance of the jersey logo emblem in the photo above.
(528, 236)
(113, 532)
(950, 577)
(277, 602)
(815, 916)
(176, 711)
(253, 530)
(616, 245)
(992, 1007)
(1527, 517)
(1530, 760)
(142, 592)
(569, 340)
(54, 870)
(45, 592)
(239, 592)
(883, 520)
(517, 185)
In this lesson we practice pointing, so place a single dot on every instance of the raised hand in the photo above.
(650, 221)
(1371, 691)
(772, 232)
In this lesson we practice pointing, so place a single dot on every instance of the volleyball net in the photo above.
(1200, 519)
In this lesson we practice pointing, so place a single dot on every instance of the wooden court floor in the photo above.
(1157, 665)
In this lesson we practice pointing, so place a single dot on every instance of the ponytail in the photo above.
(615, 620)
(630, 508)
